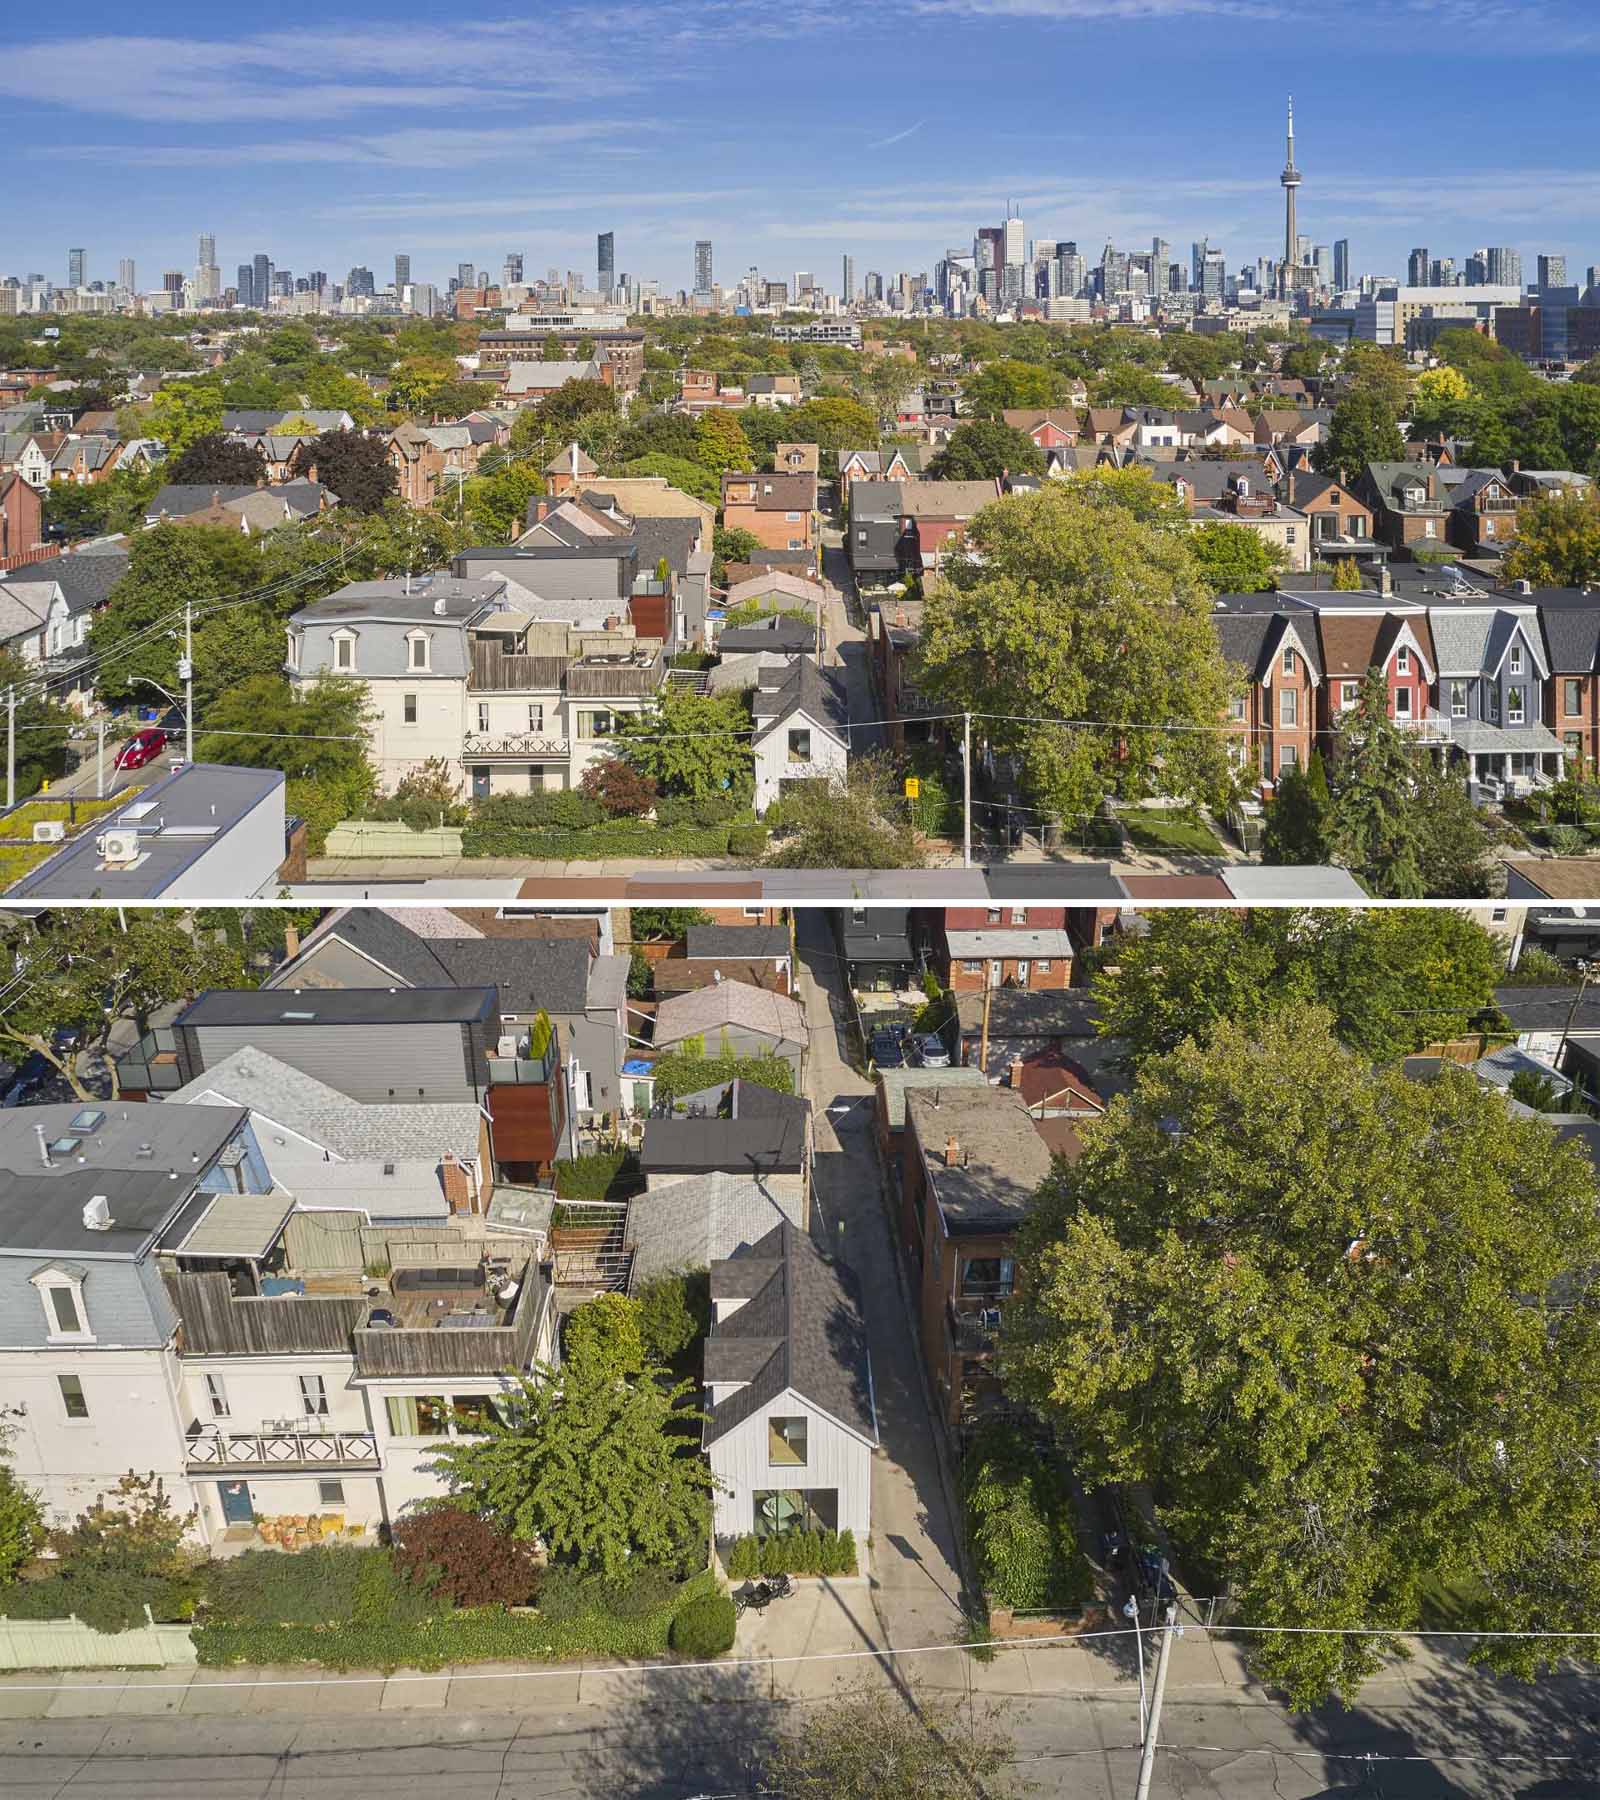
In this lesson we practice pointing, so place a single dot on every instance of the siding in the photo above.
(216, 1324)
(835, 1458)
(367, 1062)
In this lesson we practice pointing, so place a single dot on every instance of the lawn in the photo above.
(1168, 830)
(1447, 1605)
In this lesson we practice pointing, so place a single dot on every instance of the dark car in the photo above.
(143, 747)
(28, 1082)
(887, 1050)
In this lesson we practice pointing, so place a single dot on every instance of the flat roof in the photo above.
(178, 819)
(340, 1006)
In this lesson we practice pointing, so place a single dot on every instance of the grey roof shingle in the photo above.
(730, 1003)
(85, 581)
(752, 941)
(695, 1223)
(807, 1316)
(801, 688)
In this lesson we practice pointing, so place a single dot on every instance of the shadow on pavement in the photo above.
(679, 1733)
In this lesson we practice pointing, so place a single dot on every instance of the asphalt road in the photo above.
(671, 1745)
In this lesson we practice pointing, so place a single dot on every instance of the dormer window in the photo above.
(294, 649)
(1402, 661)
(418, 646)
(344, 652)
(60, 1289)
(1516, 659)
(1288, 662)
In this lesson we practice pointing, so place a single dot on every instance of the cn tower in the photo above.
(1291, 241)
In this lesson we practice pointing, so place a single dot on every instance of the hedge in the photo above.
(791, 1553)
(1022, 1524)
(484, 1634)
(748, 840)
(602, 1175)
(705, 1627)
(678, 1073)
(618, 838)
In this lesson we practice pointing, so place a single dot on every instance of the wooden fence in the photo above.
(70, 1644)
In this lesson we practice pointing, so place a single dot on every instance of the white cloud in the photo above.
(420, 147)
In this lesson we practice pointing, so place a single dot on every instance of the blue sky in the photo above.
(790, 131)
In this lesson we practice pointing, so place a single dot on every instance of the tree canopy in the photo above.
(690, 743)
(355, 467)
(1558, 541)
(218, 458)
(1344, 1323)
(981, 449)
(1361, 431)
(1074, 609)
(851, 820)
(1236, 560)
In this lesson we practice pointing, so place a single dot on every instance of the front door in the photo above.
(480, 783)
(236, 1507)
(1022, 973)
(994, 974)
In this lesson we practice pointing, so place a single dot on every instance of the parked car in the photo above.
(28, 1082)
(887, 1050)
(929, 1051)
(143, 747)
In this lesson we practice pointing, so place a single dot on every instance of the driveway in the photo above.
(916, 1589)
(848, 644)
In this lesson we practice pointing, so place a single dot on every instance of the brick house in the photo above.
(797, 459)
(1483, 512)
(21, 520)
(1339, 522)
(1393, 636)
(1407, 503)
(975, 947)
(1571, 623)
(1052, 428)
(1273, 717)
(779, 511)
(934, 516)
(418, 464)
(976, 1161)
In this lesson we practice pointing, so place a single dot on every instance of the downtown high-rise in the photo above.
(702, 265)
(606, 261)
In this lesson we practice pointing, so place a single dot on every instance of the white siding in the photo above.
(835, 1458)
(772, 764)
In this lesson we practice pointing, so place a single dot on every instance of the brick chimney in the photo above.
(291, 943)
(457, 1186)
(952, 1152)
(1016, 1071)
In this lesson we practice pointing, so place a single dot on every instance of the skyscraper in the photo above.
(207, 276)
(511, 274)
(1417, 267)
(606, 260)
(402, 273)
(77, 268)
(127, 276)
(1290, 178)
(1322, 259)
(847, 284)
(261, 282)
(702, 265)
(1341, 263)
(1552, 271)
(208, 249)
(1505, 266)
(244, 284)
(466, 274)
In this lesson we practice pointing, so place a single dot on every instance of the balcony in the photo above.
(975, 1325)
(151, 1066)
(220, 1449)
(1430, 727)
(514, 746)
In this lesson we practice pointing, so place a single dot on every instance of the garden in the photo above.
(1169, 831)
(1022, 1525)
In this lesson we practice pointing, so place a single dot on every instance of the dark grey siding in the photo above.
(373, 1063)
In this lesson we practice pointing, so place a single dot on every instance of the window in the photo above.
(417, 653)
(1288, 756)
(1288, 662)
(536, 715)
(1494, 704)
(1349, 693)
(992, 915)
(1043, 965)
(1289, 534)
(861, 537)
(1402, 703)
(294, 650)
(408, 708)
(1458, 699)
(313, 1396)
(330, 1493)
(1572, 698)
(1516, 703)
(1402, 660)
(217, 1397)
(599, 724)
(483, 715)
(971, 966)
(1430, 528)
(344, 652)
(64, 1308)
(1019, 915)
(988, 1275)
(786, 1441)
(1236, 709)
(777, 1510)
(1288, 706)
(799, 746)
(791, 518)
(72, 1397)
(418, 1415)
(1516, 659)
(1572, 745)
(61, 1295)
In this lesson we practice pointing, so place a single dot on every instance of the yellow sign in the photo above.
(913, 788)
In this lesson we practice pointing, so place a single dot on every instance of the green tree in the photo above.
(1006, 383)
(691, 478)
(1327, 1312)
(1136, 489)
(124, 1553)
(21, 1518)
(43, 727)
(1346, 576)
(1536, 1091)
(88, 971)
(720, 444)
(664, 924)
(730, 544)
(1370, 369)
(981, 449)
(1299, 816)
(1391, 980)
(1361, 431)
(833, 422)
(398, 539)
(691, 743)
(599, 1465)
(181, 412)
(608, 1329)
(356, 467)
(1233, 559)
(659, 434)
(1558, 541)
(1374, 830)
(1084, 635)
(497, 504)
(853, 820)
(216, 458)
(266, 724)
(870, 1744)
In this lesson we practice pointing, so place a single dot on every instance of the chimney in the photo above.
(97, 1214)
(291, 943)
(457, 1187)
(1016, 1071)
(952, 1152)
(1385, 581)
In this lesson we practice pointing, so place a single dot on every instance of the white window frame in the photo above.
(408, 709)
(536, 715)
(1402, 703)
(1288, 707)
(344, 653)
(1515, 659)
(49, 1283)
(217, 1397)
(1402, 660)
(415, 641)
(71, 1418)
(313, 1396)
(1516, 706)
(483, 715)
(1458, 699)
(1287, 663)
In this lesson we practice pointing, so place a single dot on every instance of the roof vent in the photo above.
(439, 606)
(97, 1214)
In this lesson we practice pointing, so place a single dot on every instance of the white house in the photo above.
(792, 1419)
(802, 717)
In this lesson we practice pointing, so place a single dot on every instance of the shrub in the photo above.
(21, 1522)
(748, 840)
(1568, 840)
(602, 1175)
(1022, 1525)
(125, 1553)
(679, 1072)
(701, 809)
(620, 788)
(791, 1553)
(704, 1628)
(743, 1559)
(565, 809)
(458, 1557)
(606, 1328)
(384, 1597)
(674, 1314)
(265, 1587)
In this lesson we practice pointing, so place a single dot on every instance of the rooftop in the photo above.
(339, 1006)
(999, 1159)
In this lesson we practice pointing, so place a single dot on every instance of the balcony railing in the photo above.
(521, 746)
(1430, 727)
(283, 1450)
(534, 1070)
(151, 1066)
(975, 1326)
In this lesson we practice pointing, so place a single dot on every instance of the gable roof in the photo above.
(1572, 634)
(944, 499)
(85, 581)
(801, 687)
(737, 940)
(800, 1331)
(696, 1222)
(730, 1003)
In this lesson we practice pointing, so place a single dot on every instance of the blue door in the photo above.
(236, 1507)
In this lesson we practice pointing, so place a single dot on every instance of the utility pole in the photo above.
(1584, 970)
(966, 790)
(186, 675)
(1147, 1761)
(11, 747)
(983, 1029)
(100, 758)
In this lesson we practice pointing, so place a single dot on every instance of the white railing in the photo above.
(512, 743)
(282, 1449)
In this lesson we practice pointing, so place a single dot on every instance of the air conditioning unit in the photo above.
(118, 846)
(508, 1048)
(49, 831)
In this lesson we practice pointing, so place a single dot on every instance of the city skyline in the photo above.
(349, 182)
